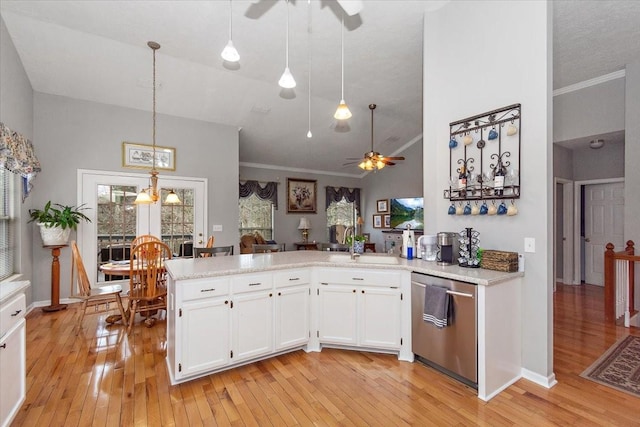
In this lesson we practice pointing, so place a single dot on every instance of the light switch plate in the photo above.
(529, 244)
(217, 227)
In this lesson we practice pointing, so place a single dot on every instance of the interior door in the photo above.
(604, 223)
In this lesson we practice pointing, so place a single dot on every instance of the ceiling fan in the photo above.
(372, 160)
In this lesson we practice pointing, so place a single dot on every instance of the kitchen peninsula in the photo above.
(228, 311)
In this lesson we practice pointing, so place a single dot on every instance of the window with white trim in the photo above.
(8, 223)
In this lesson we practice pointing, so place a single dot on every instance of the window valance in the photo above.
(335, 194)
(268, 192)
(18, 156)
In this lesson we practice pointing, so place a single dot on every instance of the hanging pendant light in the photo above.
(342, 113)
(150, 195)
(230, 53)
(287, 81)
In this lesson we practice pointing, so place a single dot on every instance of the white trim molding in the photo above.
(546, 382)
(591, 82)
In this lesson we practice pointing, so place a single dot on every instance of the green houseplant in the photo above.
(56, 221)
(358, 242)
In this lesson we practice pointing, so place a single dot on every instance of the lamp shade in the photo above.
(287, 81)
(230, 53)
(143, 198)
(342, 113)
(305, 224)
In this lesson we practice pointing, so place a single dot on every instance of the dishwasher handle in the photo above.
(450, 292)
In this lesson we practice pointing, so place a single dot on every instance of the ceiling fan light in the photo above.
(172, 198)
(380, 164)
(342, 113)
(362, 165)
(230, 53)
(287, 81)
(143, 198)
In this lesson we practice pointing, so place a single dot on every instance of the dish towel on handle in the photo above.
(436, 306)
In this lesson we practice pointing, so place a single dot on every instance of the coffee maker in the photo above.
(447, 244)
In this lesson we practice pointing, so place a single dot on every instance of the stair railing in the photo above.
(619, 283)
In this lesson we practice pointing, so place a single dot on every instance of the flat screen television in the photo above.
(407, 211)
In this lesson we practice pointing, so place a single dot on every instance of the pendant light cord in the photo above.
(287, 40)
(309, 47)
(154, 110)
(230, 20)
(342, 54)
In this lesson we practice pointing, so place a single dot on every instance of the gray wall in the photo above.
(16, 111)
(286, 224)
(590, 111)
(464, 76)
(403, 180)
(562, 162)
(71, 134)
(605, 162)
(632, 157)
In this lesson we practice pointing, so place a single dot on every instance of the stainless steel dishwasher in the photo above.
(454, 348)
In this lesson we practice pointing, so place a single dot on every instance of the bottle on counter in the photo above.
(409, 247)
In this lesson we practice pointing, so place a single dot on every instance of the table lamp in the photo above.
(304, 225)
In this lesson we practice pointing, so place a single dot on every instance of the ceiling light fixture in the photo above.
(150, 195)
(596, 143)
(342, 113)
(287, 81)
(230, 53)
(373, 160)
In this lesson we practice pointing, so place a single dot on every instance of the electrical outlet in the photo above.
(217, 227)
(529, 244)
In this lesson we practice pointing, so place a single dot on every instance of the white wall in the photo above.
(16, 112)
(590, 111)
(71, 134)
(479, 56)
(286, 224)
(632, 157)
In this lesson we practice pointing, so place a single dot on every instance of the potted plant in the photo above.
(358, 242)
(56, 222)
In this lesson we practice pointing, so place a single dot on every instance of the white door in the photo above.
(147, 219)
(252, 325)
(379, 317)
(292, 316)
(604, 223)
(337, 314)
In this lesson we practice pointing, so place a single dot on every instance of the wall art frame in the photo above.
(302, 195)
(140, 156)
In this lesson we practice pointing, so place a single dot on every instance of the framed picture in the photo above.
(367, 237)
(383, 205)
(377, 221)
(301, 195)
(140, 156)
(387, 221)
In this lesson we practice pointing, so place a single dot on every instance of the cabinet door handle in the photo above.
(16, 313)
(255, 284)
(279, 293)
(357, 278)
(270, 295)
(294, 278)
(3, 345)
(354, 291)
(208, 290)
(226, 302)
(363, 291)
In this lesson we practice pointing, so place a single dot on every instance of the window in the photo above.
(256, 215)
(339, 219)
(8, 223)
(177, 220)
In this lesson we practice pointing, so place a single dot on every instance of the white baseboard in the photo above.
(546, 382)
(45, 303)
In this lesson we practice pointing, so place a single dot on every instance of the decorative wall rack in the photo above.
(484, 156)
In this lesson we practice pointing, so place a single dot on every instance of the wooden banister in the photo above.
(610, 257)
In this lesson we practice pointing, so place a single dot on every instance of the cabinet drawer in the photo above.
(291, 277)
(360, 277)
(11, 313)
(204, 288)
(251, 282)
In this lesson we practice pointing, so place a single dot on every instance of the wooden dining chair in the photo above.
(268, 247)
(101, 299)
(206, 254)
(147, 281)
(215, 251)
(143, 238)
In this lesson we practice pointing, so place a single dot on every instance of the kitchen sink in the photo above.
(364, 259)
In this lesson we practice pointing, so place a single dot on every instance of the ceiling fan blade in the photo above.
(351, 163)
(394, 158)
(351, 7)
(387, 162)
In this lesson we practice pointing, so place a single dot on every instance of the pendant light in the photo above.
(287, 81)
(342, 113)
(230, 53)
(150, 195)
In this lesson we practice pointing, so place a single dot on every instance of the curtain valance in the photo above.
(335, 194)
(268, 192)
(17, 155)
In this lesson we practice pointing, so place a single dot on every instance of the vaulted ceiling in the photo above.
(96, 51)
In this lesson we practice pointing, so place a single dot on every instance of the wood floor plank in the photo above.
(104, 377)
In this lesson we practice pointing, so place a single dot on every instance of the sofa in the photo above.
(248, 240)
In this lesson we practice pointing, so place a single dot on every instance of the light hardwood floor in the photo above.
(104, 377)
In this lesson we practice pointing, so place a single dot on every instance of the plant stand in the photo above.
(55, 280)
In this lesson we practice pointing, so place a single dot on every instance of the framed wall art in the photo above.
(382, 205)
(301, 195)
(377, 221)
(140, 156)
(387, 221)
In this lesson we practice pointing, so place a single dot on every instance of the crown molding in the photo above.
(588, 83)
(298, 170)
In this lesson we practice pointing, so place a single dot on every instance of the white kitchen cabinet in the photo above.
(252, 325)
(360, 308)
(292, 310)
(13, 354)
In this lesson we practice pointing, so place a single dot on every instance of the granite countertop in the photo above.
(183, 269)
(9, 289)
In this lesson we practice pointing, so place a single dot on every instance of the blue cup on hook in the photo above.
(502, 209)
(453, 143)
(493, 134)
(467, 209)
(452, 209)
(484, 209)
